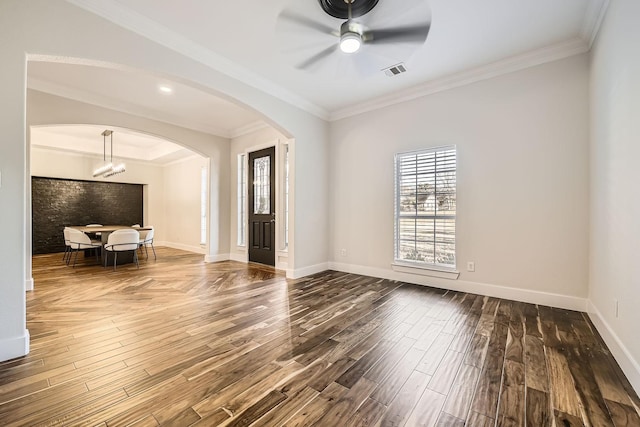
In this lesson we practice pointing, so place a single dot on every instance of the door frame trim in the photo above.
(283, 255)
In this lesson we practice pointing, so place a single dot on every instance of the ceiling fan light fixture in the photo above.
(350, 42)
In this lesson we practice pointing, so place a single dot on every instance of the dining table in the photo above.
(104, 231)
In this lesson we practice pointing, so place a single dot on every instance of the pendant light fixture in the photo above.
(108, 169)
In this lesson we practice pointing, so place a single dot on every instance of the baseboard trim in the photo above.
(245, 259)
(14, 347)
(28, 284)
(189, 248)
(239, 257)
(216, 258)
(523, 295)
(628, 364)
(306, 271)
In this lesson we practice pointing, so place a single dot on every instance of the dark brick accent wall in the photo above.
(57, 203)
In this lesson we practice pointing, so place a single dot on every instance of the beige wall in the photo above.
(614, 273)
(182, 203)
(522, 144)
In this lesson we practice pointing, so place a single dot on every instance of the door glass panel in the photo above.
(261, 185)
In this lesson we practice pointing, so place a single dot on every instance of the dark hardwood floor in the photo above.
(180, 342)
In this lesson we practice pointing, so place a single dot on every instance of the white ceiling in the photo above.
(469, 40)
(139, 94)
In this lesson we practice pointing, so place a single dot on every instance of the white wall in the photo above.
(614, 273)
(57, 30)
(57, 164)
(182, 204)
(263, 138)
(522, 142)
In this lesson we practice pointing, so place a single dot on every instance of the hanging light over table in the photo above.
(108, 169)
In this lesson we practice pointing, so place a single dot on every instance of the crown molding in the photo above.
(93, 156)
(192, 156)
(593, 18)
(130, 20)
(139, 24)
(552, 53)
(121, 106)
(250, 128)
(68, 152)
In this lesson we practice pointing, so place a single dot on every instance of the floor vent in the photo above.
(395, 70)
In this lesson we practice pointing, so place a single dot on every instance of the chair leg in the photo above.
(75, 258)
(154, 252)
(146, 251)
(135, 257)
(115, 260)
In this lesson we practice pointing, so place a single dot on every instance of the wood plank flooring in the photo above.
(180, 342)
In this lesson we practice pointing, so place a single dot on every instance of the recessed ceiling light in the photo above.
(165, 89)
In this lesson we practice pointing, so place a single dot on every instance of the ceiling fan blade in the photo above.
(415, 34)
(318, 57)
(306, 22)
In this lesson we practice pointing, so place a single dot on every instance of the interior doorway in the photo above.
(262, 206)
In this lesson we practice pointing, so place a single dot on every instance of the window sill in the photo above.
(423, 270)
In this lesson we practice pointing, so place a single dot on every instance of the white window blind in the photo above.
(425, 207)
(203, 205)
(242, 191)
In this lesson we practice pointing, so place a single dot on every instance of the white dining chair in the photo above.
(67, 246)
(126, 239)
(78, 241)
(146, 238)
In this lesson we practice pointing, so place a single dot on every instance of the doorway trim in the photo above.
(283, 253)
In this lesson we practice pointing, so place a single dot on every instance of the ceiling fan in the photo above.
(356, 31)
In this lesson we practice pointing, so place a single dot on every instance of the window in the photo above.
(203, 205)
(242, 191)
(425, 207)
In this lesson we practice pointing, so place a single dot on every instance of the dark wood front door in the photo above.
(262, 209)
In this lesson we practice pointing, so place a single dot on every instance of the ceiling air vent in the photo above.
(394, 70)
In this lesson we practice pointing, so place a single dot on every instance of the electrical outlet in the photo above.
(343, 252)
(616, 308)
(471, 266)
